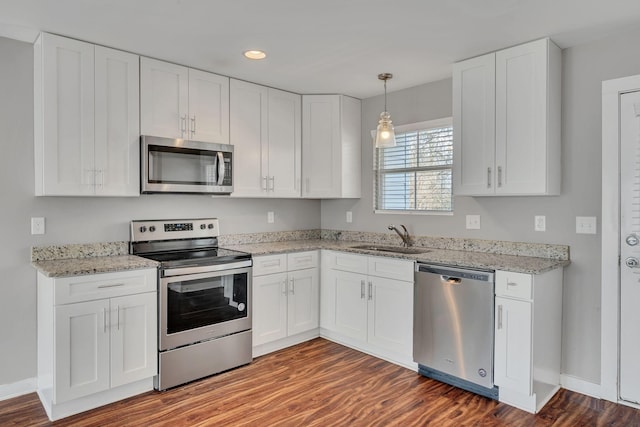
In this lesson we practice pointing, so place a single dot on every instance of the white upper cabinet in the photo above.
(179, 102)
(266, 135)
(331, 146)
(506, 118)
(86, 119)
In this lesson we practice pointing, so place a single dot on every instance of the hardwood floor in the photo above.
(320, 383)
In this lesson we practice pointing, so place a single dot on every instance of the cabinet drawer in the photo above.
(302, 260)
(391, 268)
(105, 285)
(347, 262)
(514, 285)
(269, 264)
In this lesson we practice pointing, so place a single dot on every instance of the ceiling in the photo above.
(320, 46)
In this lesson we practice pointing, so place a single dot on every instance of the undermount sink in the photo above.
(395, 249)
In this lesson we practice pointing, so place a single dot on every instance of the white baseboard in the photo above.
(580, 386)
(7, 391)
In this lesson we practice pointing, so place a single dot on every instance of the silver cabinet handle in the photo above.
(370, 291)
(499, 176)
(100, 172)
(104, 319)
(118, 314)
(293, 286)
(500, 316)
(511, 284)
(362, 289)
(265, 183)
(489, 177)
(272, 179)
(183, 125)
(221, 168)
(110, 285)
(193, 125)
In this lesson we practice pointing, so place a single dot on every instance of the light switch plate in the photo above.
(586, 225)
(473, 222)
(270, 217)
(540, 223)
(349, 216)
(37, 225)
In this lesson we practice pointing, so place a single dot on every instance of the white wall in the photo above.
(81, 219)
(511, 218)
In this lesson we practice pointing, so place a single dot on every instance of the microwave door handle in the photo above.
(221, 170)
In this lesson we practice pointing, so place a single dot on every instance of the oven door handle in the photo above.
(191, 269)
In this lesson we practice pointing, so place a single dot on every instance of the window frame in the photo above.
(428, 124)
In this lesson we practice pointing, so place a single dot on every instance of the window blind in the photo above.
(415, 175)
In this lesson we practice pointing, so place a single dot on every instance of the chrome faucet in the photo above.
(406, 238)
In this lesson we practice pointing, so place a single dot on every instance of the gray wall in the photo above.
(512, 218)
(82, 219)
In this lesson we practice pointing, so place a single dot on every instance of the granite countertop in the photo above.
(458, 258)
(91, 265)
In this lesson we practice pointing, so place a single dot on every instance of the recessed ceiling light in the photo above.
(255, 54)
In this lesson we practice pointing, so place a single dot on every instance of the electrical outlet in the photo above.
(270, 217)
(473, 222)
(37, 225)
(349, 216)
(540, 223)
(586, 225)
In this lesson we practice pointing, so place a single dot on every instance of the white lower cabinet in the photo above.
(97, 339)
(285, 300)
(367, 303)
(528, 326)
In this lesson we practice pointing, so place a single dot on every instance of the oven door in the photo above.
(202, 306)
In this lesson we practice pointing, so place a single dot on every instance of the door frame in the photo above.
(610, 278)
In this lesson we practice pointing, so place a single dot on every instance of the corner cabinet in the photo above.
(86, 117)
(506, 121)
(285, 300)
(97, 339)
(265, 131)
(331, 146)
(181, 102)
(528, 326)
(366, 302)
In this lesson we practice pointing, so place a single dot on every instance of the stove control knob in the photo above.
(203, 226)
(152, 228)
(210, 226)
(143, 229)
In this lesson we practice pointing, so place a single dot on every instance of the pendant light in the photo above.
(385, 135)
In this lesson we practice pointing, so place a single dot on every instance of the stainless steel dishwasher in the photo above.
(453, 326)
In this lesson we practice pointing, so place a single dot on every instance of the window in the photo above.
(415, 175)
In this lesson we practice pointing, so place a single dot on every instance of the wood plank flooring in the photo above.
(321, 383)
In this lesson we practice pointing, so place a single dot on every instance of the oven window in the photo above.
(196, 303)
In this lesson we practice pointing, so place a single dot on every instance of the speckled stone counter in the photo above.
(459, 258)
(79, 259)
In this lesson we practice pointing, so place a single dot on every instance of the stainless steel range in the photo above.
(204, 298)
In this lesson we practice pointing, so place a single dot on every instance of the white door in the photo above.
(208, 107)
(351, 304)
(630, 247)
(284, 154)
(269, 308)
(81, 349)
(133, 338)
(390, 314)
(513, 345)
(303, 304)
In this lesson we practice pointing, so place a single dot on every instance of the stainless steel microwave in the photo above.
(182, 166)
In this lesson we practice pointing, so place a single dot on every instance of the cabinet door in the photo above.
(117, 123)
(303, 301)
(64, 116)
(521, 119)
(134, 350)
(321, 129)
(285, 142)
(390, 315)
(350, 304)
(248, 134)
(208, 107)
(474, 126)
(513, 345)
(164, 99)
(269, 308)
(81, 349)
